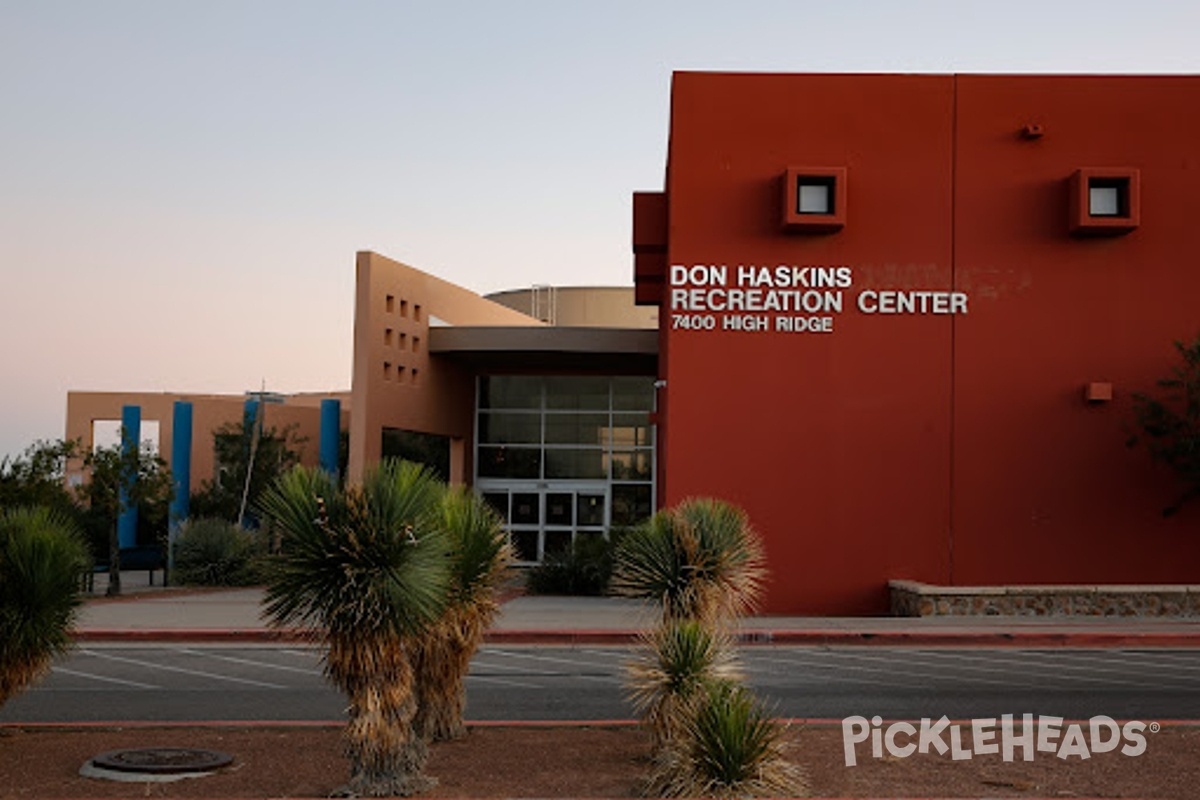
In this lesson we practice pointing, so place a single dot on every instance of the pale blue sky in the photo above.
(190, 180)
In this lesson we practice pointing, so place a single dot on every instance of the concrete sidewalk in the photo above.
(152, 613)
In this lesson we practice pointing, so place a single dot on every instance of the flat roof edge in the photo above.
(497, 339)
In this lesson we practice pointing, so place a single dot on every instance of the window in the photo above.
(565, 456)
(424, 448)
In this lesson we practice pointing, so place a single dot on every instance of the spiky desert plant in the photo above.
(441, 655)
(42, 559)
(361, 569)
(728, 747)
(701, 560)
(678, 659)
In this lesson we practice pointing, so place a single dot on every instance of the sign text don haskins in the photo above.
(787, 298)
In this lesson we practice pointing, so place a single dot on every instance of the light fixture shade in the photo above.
(1104, 201)
(814, 198)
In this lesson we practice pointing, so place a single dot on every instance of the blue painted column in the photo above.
(181, 463)
(250, 413)
(331, 429)
(131, 437)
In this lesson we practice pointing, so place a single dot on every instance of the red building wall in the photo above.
(937, 447)
(1045, 489)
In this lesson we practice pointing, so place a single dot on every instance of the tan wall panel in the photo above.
(396, 384)
(209, 412)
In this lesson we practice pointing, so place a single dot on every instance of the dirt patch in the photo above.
(552, 762)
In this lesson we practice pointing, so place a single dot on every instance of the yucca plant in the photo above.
(700, 559)
(441, 655)
(729, 747)
(678, 660)
(362, 569)
(43, 558)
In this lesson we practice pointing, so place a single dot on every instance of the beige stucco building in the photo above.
(541, 398)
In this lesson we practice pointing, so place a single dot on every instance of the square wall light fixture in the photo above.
(814, 199)
(1105, 201)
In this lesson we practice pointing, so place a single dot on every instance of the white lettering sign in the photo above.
(788, 298)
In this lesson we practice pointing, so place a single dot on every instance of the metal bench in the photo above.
(149, 558)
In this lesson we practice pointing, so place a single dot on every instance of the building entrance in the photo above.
(546, 519)
(562, 457)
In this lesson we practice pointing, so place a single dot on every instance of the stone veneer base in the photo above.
(914, 599)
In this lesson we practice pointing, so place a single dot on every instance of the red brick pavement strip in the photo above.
(968, 638)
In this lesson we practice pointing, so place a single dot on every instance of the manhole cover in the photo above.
(162, 760)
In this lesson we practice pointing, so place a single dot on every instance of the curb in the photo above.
(1029, 639)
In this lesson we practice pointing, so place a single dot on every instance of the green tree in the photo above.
(148, 488)
(37, 477)
(441, 655)
(42, 559)
(1169, 424)
(363, 568)
(271, 451)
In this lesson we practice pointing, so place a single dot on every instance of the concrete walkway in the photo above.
(153, 613)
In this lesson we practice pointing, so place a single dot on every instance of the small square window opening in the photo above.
(389, 303)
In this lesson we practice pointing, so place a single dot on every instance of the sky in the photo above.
(183, 185)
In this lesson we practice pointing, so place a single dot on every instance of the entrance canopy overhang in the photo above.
(620, 351)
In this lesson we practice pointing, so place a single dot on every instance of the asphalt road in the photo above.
(121, 683)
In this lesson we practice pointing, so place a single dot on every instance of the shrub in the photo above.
(700, 559)
(678, 660)
(213, 552)
(730, 747)
(42, 560)
(1170, 423)
(585, 568)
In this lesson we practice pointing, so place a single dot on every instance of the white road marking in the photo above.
(893, 677)
(1057, 670)
(1182, 671)
(248, 661)
(104, 678)
(602, 679)
(197, 673)
(477, 664)
(503, 681)
(314, 653)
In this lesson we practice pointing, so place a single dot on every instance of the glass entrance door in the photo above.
(546, 519)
